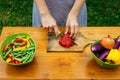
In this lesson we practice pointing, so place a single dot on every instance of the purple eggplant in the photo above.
(117, 42)
(104, 54)
(96, 48)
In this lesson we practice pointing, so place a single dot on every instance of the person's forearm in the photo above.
(77, 7)
(42, 7)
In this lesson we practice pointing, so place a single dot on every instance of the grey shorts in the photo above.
(36, 19)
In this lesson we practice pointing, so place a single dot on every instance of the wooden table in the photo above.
(59, 65)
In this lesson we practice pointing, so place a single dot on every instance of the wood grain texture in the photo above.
(59, 65)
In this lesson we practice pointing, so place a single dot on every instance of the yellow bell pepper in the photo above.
(114, 56)
(8, 60)
(24, 47)
(28, 43)
(19, 48)
(26, 39)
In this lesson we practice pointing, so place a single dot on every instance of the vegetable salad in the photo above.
(20, 50)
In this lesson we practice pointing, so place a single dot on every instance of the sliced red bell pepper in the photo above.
(23, 44)
(15, 62)
(18, 40)
(11, 45)
(66, 41)
(5, 48)
(9, 56)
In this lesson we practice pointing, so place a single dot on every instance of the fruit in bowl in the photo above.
(18, 49)
(106, 51)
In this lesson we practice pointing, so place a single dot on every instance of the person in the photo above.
(53, 13)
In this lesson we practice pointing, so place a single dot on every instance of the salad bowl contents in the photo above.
(106, 51)
(18, 49)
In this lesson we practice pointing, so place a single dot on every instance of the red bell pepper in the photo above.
(9, 56)
(66, 41)
(15, 62)
(23, 44)
(5, 48)
(18, 40)
(12, 44)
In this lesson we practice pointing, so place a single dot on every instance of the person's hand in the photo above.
(72, 25)
(48, 22)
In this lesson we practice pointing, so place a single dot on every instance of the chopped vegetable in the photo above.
(4, 57)
(29, 49)
(31, 42)
(5, 48)
(21, 59)
(23, 44)
(19, 50)
(16, 62)
(27, 42)
(8, 60)
(12, 45)
(9, 56)
(27, 58)
(66, 41)
(18, 40)
(21, 54)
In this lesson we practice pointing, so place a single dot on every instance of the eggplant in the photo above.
(97, 48)
(104, 54)
(117, 42)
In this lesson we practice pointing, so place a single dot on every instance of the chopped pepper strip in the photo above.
(19, 51)
(28, 43)
(18, 40)
(23, 44)
(19, 48)
(9, 56)
(23, 47)
(27, 39)
(8, 60)
(5, 48)
(114, 56)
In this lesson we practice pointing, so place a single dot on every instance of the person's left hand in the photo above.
(72, 25)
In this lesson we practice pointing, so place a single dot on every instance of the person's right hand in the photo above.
(48, 22)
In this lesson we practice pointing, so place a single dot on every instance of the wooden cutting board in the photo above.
(80, 40)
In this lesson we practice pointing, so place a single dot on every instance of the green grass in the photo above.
(15, 13)
(19, 13)
(103, 12)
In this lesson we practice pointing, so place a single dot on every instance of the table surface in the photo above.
(59, 65)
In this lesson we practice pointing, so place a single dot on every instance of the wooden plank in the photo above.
(59, 65)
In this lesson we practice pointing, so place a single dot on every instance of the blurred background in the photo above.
(19, 13)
